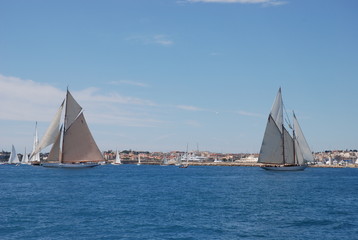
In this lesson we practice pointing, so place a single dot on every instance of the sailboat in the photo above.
(35, 158)
(164, 161)
(25, 158)
(186, 157)
(118, 159)
(13, 159)
(138, 160)
(72, 145)
(279, 150)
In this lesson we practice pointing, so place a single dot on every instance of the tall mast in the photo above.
(64, 127)
(294, 146)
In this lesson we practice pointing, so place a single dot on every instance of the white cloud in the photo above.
(264, 2)
(159, 39)
(27, 100)
(193, 123)
(126, 82)
(249, 114)
(189, 108)
(163, 40)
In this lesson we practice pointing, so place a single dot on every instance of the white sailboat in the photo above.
(13, 159)
(73, 144)
(138, 160)
(185, 157)
(35, 158)
(279, 150)
(25, 158)
(118, 159)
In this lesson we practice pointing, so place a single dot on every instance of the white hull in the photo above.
(285, 168)
(64, 165)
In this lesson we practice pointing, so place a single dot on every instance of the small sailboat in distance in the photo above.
(73, 144)
(25, 158)
(279, 150)
(139, 163)
(117, 161)
(35, 158)
(13, 159)
(185, 157)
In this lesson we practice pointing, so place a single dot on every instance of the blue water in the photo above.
(156, 202)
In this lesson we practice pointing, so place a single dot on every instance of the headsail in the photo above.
(51, 132)
(301, 141)
(55, 153)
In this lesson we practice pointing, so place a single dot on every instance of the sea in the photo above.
(167, 202)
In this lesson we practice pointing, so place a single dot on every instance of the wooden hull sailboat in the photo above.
(281, 151)
(72, 145)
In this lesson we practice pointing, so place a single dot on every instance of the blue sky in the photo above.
(160, 74)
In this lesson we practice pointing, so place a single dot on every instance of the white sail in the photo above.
(271, 148)
(35, 156)
(25, 158)
(51, 132)
(138, 160)
(13, 159)
(55, 153)
(277, 110)
(118, 158)
(299, 155)
(304, 147)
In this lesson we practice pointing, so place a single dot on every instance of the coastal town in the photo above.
(328, 158)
